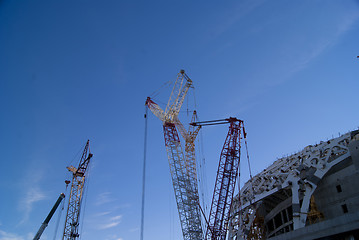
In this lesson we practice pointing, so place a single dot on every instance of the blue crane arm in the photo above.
(49, 216)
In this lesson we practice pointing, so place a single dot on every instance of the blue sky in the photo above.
(77, 70)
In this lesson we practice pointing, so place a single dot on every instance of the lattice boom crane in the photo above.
(76, 193)
(182, 167)
(227, 173)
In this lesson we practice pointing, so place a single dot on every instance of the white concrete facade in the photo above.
(277, 200)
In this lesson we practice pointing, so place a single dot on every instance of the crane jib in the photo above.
(182, 166)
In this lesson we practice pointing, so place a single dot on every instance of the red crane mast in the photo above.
(228, 170)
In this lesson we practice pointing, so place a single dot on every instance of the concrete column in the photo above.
(354, 153)
(305, 204)
(295, 205)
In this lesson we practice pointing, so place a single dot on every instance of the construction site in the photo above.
(311, 194)
(179, 120)
(307, 195)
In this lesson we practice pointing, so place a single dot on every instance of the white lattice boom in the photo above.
(182, 165)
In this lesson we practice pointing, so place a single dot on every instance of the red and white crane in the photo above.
(182, 166)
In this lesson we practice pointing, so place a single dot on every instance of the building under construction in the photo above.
(312, 194)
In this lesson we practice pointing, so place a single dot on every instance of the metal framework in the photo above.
(295, 178)
(227, 173)
(182, 166)
(78, 181)
(190, 157)
(186, 196)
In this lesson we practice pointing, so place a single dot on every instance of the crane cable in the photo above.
(60, 213)
(249, 165)
(84, 199)
(158, 91)
(245, 141)
(202, 172)
(144, 175)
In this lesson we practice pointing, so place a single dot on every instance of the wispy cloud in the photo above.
(113, 222)
(102, 214)
(320, 45)
(348, 22)
(33, 195)
(116, 218)
(242, 9)
(108, 217)
(113, 237)
(109, 225)
(104, 198)
(107, 221)
(9, 236)
(293, 56)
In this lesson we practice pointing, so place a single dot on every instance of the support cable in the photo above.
(194, 98)
(85, 198)
(60, 213)
(203, 176)
(249, 165)
(76, 156)
(204, 216)
(58, 218)
(165, 85)
(245, 141)
(144, 175)
(172, 214)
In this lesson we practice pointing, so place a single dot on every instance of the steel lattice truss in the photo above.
(185, 192)
(73, 210)
(298, 175)
(191, 169)
(182, 166)
(225, 183)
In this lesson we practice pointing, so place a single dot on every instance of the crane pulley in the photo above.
(179, 92)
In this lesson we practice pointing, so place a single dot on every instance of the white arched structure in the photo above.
(277, 200)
